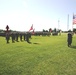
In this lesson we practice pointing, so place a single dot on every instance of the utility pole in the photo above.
(58, 24)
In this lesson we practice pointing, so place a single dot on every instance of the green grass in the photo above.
(44, 56)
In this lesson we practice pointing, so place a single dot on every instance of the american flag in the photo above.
(74, 19)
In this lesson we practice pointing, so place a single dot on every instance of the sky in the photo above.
(43, 14)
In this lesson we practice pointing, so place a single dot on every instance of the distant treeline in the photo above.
(35, 33)
(2, 34)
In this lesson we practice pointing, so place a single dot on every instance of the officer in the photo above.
(69, 38)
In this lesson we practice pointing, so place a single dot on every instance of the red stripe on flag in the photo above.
(74, 19)
(31, 27)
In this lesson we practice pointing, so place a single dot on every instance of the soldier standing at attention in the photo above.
(7, 37)
(20, 36)
(13, 37)
(7, 34)
(69, 38)
(27, 37)
(16, 35)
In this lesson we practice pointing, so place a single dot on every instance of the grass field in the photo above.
(44, 56)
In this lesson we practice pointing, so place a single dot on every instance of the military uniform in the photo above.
(69, 39)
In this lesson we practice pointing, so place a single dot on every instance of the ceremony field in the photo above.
(45, 55)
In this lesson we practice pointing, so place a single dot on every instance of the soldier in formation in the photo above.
(7, 37)
(15, 37)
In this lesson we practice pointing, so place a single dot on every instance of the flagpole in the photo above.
(72, 22)
(68, 22)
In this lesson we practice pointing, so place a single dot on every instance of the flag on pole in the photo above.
(7, 27)
(74, 19)
(33, 31)
(31, 28)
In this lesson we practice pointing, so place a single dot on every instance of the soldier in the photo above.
(20, 36)
(7, 34)
(24, 35)
(17, 37)
(29, 34)
(27, 37)
(13, 37)
(7, 37)
(69, 38)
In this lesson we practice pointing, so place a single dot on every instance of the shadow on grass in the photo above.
(36, 43)
(32, 43)
(29, 42)
(74, 47)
